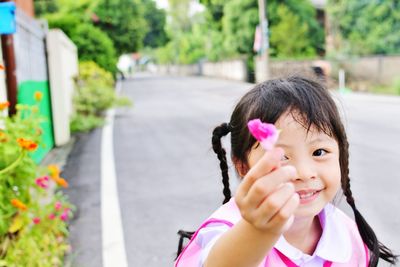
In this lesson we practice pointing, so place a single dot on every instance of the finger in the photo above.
(283, 219)
(274, 203)
(268, 184)
(266, 164)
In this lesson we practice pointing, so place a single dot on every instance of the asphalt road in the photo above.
(169, 178)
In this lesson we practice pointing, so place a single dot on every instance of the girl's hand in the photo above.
(266, 197)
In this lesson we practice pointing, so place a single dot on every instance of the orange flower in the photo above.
(2, 67)
(18, 204)
(61, 182)
(4, 105)
(3, 137)
(27, 144)
(54, 171)
(38, 96)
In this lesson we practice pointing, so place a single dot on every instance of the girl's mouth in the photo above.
(307, 196)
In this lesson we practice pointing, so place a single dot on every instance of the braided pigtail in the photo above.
(217, 134)
(376, 248)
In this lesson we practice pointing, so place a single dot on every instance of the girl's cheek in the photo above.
(255, 155)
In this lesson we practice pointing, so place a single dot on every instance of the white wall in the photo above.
(63, 67)
(232, 69)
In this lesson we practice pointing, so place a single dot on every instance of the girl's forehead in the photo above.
(294, 125)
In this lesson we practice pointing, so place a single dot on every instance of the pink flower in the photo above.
(265, 133)
(36, 220)
(52, 216)
(58, 205)
(42, 182)
(64, 216)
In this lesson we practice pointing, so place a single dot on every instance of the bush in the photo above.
(66, 22)
(93, 96)
(33, 220)
(94, 45)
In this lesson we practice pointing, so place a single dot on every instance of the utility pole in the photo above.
(7, 43)
(262, 4)
(262, 70)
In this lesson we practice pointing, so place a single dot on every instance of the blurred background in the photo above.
(128, 93)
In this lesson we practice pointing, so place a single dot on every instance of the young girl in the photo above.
(282, 214)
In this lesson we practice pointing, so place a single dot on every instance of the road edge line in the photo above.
(113, 244)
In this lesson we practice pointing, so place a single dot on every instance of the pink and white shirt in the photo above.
(340, 243)
(334, 244)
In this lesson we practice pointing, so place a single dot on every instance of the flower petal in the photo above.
(265, 133)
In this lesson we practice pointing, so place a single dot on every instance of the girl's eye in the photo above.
(319, 152)
(284, 158)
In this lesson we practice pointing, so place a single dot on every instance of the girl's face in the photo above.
(315, 155)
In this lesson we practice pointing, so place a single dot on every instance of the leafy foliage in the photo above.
(66, 22)
(28, 237)
(156, 19)
(289, 35)
(226, 29)
(93, 96)
(305, 13)
(293, 22)
(92, 43)
(45, 6)
(239, 23)
(95, 45)
(124, 22)
(367, 27)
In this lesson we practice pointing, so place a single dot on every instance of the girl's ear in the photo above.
(241, 167)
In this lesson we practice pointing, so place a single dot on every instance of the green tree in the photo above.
(214, 12)
(186, 34)
(289, 36)
(306, 13)
(66, 22)
(124, 23)
(241, 18)
(156, 20)
(94, 45)
(45, 6)
(180, 20)
(366, 27)
(239, 23)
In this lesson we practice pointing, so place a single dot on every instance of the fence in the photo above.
(29, 47)
(359, 70)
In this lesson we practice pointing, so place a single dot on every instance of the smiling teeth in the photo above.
(302, 196)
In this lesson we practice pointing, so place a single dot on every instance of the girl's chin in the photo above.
(307, 211)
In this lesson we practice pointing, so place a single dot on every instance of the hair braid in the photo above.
(217, 134)
(377, 249)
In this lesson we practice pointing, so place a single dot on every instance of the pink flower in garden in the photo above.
(52, 216)
(36, 220)
(42, 182)
(64, 216)
(58, 206)
(265, 133)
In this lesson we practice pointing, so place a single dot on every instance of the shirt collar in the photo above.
(334, 244)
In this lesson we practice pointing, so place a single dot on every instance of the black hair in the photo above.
(309, 99)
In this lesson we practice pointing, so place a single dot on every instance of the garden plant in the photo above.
(34, 212)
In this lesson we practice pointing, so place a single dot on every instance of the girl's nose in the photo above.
(305, 170)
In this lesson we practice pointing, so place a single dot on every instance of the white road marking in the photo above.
(113, 244)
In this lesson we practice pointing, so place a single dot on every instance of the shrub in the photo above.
(93, 96)
(94, 45)
(33, 227)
